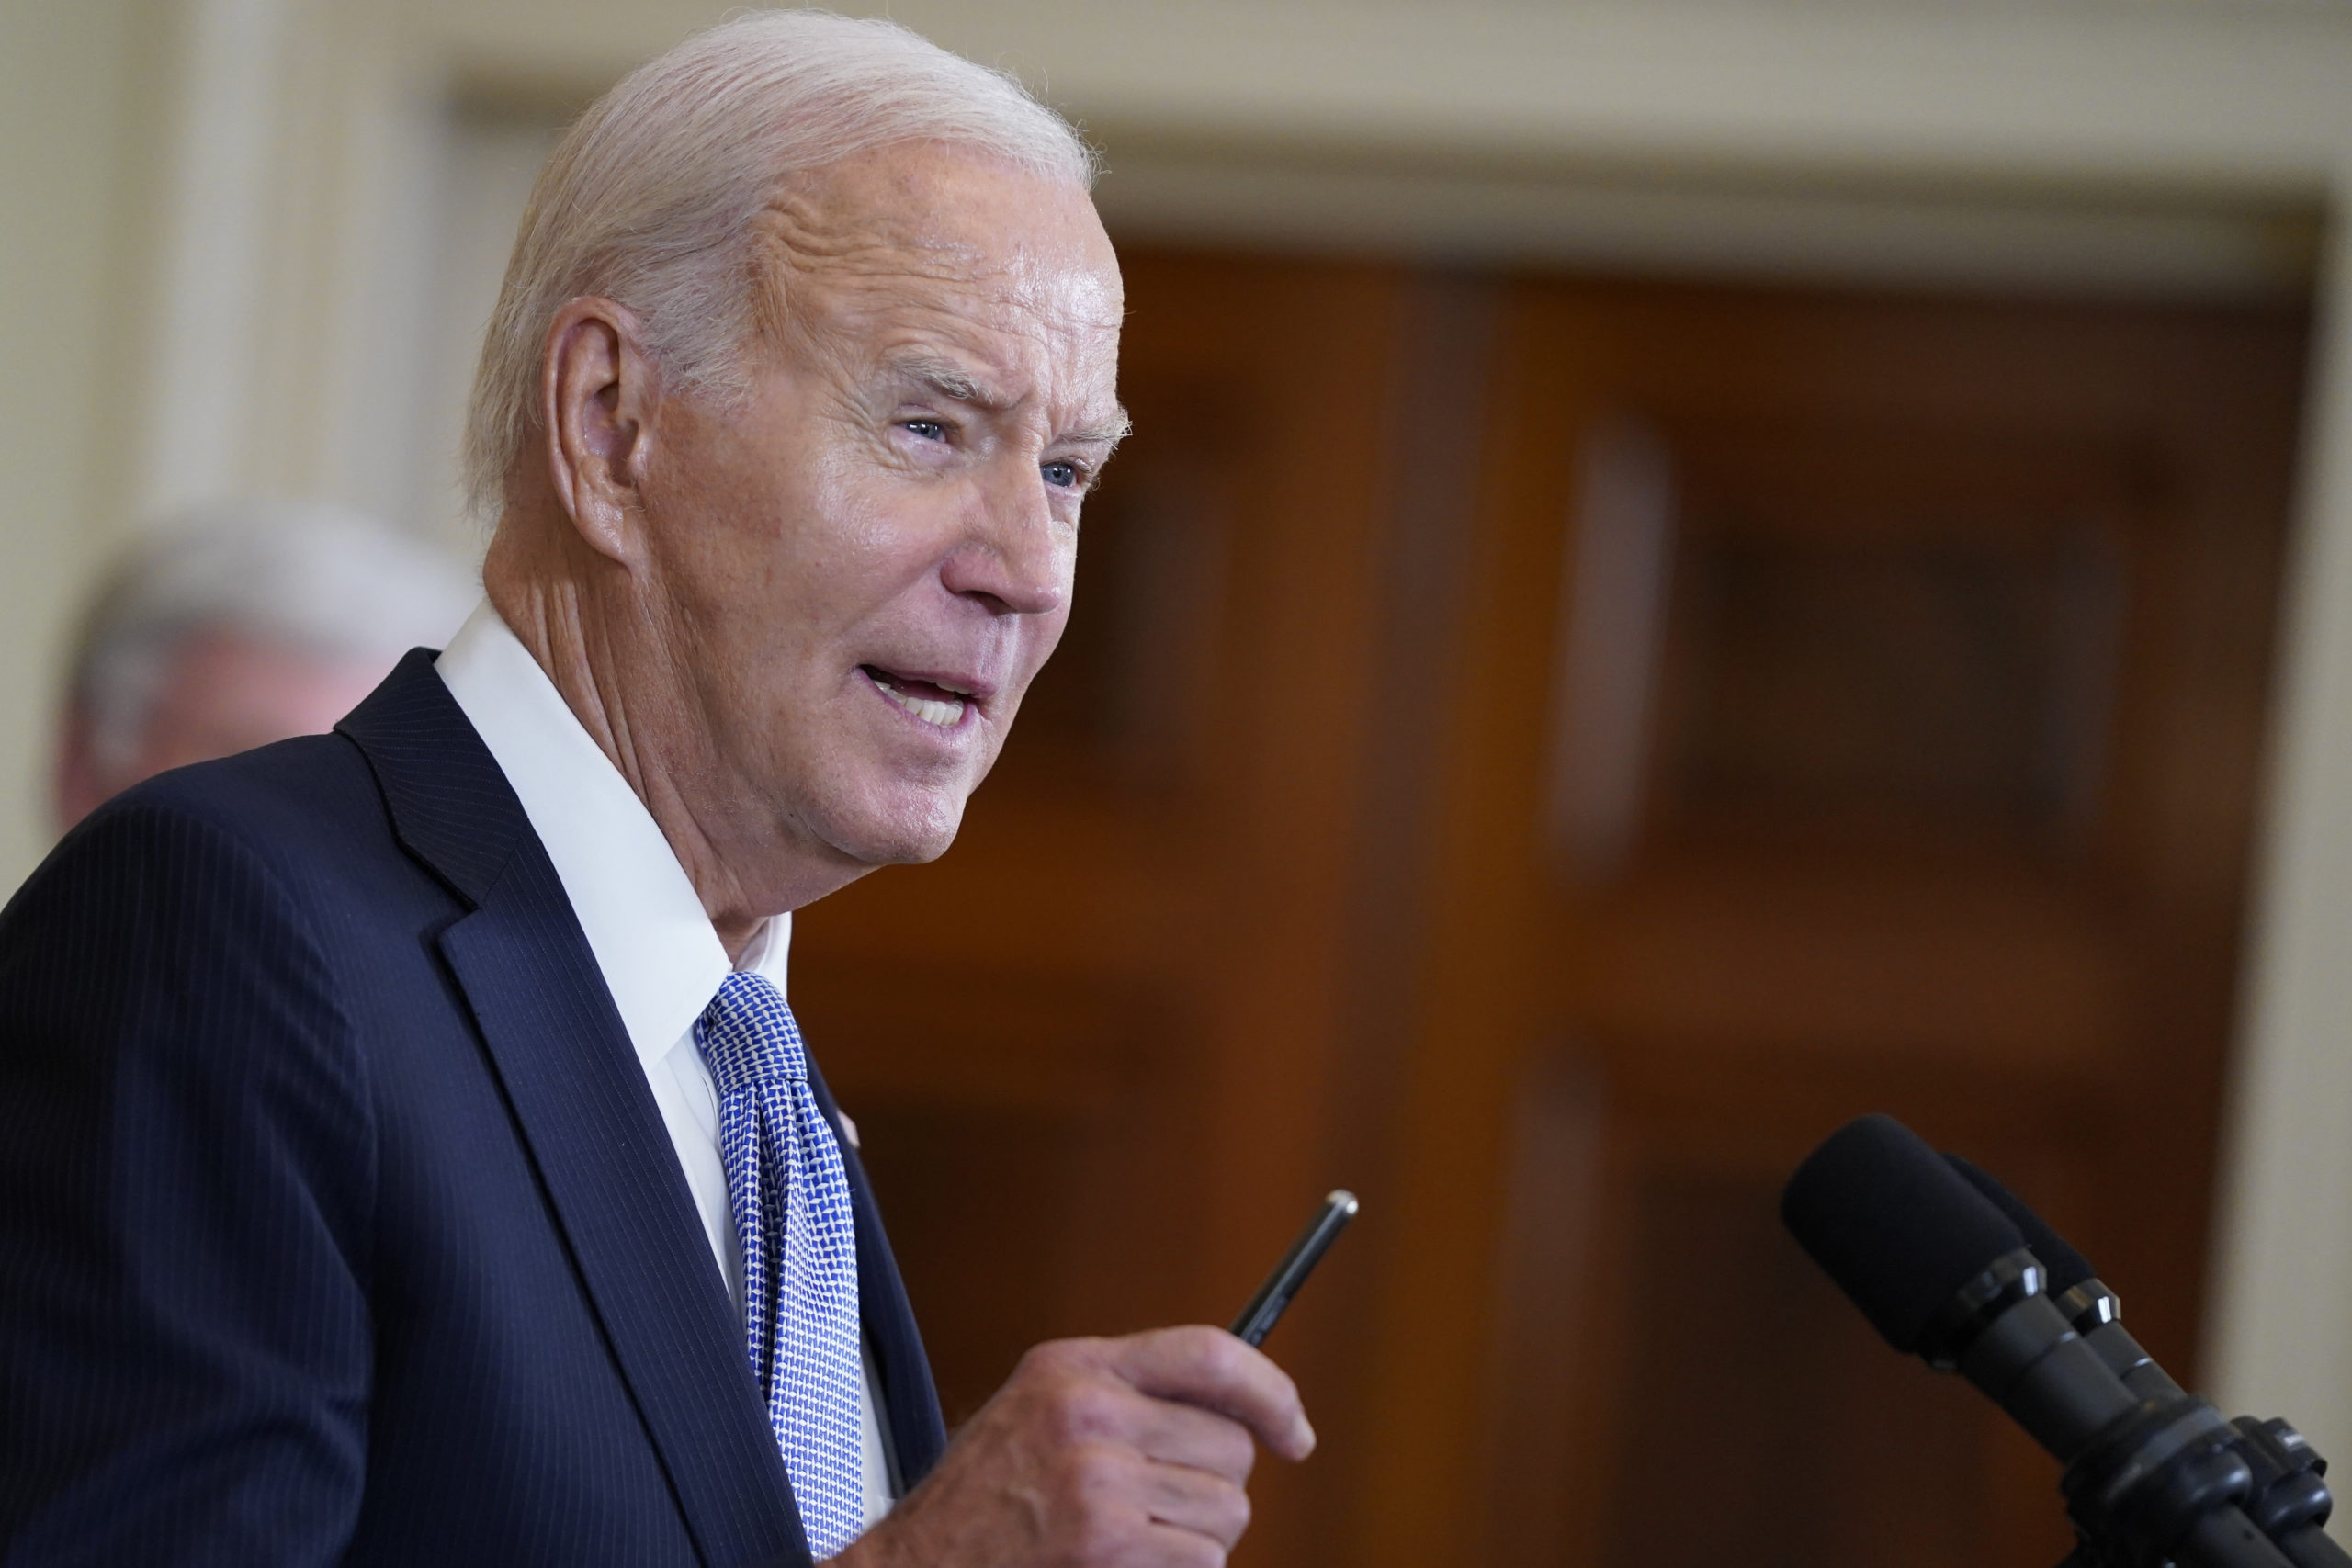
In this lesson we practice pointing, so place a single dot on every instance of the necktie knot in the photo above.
(748, 1035)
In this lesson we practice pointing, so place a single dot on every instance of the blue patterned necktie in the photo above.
(792, 1219)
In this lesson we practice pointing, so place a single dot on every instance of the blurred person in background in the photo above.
(235, 625)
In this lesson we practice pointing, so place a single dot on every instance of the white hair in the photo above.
(308, 578)
(651, 198)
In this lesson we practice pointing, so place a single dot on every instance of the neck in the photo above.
(623, 682)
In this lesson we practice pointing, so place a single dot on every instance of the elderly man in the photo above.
(231, 626)
(407, 1154)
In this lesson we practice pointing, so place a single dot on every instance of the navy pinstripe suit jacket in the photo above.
(337, 1223)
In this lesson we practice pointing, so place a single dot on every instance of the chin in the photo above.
(917, 832)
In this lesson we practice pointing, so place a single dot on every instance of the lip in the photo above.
(975, 691)
(976, 688)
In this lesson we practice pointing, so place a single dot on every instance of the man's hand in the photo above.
(1101, 1453)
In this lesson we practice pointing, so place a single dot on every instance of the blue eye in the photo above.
(929, 429)
(1061, 476)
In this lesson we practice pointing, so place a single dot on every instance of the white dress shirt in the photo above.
(659, 957)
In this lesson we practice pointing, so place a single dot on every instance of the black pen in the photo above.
(1258, 1319)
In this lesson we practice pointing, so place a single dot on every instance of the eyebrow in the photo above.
(953, 382)
(1108, 433)
(950, 380)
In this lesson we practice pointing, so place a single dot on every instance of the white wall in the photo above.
(68, 79)
(2212, 123)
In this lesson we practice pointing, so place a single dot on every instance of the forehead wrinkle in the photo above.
(800, 244)
(801, 237)
(881, 291)
(987, 326)
(808, 232)
(799, 229)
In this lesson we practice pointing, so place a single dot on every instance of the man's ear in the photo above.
(597, 398)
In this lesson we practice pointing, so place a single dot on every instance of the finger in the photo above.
(1171, 1546)
(1093, 1401)
(1202, 1440)
(1187, 1499)
(1210, 1368)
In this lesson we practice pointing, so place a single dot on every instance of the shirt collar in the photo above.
(659, 958)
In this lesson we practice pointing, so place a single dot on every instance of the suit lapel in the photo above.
(908, 1393)
(581, 1103)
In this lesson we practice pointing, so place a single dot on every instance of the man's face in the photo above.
(221, 694)
(867, 560)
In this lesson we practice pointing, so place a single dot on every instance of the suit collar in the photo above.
(450, 807)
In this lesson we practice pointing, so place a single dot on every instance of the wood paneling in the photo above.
(1961, 601)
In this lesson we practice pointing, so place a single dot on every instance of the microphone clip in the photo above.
(2147, 1482)
(2164, 1473)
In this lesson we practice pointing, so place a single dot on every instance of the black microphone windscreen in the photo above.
(2065, 1268)
(1897, 1227)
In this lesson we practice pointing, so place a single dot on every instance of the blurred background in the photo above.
(1686, 570)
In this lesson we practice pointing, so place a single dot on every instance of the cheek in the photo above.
(769, 555)
(868, 558)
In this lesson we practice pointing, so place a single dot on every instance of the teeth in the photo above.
(945, 715)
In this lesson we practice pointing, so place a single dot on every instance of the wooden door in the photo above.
(1860, 708)
(1092, 1051)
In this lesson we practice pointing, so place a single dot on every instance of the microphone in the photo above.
(1941, 1272)
(2074, 1288)
(2287, 1501)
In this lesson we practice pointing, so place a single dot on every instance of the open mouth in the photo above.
(931, 702)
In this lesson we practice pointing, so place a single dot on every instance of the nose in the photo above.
(1016, 556)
